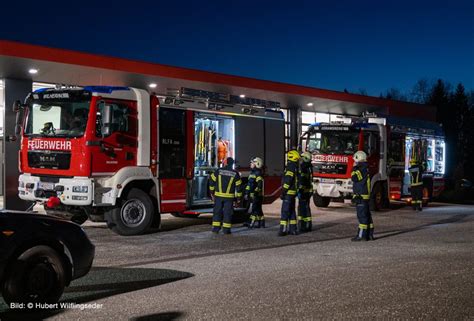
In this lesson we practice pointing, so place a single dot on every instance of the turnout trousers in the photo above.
(256, 213)
(288, 220)
(222, 216)
(417, 197)
(304, 213)
(366, 225)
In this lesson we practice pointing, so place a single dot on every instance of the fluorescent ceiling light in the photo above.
(242, 96)
(33, 71)
(153, 85)
(309, 104)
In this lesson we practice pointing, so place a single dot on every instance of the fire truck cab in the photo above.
(389, 142)
(121, 155)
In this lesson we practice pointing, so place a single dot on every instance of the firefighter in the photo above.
(305, 191)
(221, 150)
(416, 184)
(225, 186)
(254, 193)
(290, 185)
(361, 190)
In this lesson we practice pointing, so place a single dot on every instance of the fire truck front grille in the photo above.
(330, 168)
(52, 160)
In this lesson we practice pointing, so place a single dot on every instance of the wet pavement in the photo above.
(420, 267)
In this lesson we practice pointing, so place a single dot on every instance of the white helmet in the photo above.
(306, 156)
(257, 161)
(360, 156)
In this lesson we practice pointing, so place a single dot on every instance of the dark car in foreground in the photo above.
(39, 256)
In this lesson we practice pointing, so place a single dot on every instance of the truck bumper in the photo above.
(76, 191)
(334, 188)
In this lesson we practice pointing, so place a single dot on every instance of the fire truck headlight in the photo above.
(80, 189)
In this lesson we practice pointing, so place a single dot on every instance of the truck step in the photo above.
(198, 211)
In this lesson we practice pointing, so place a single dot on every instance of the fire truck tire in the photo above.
(134, 214)
(321, 201)
(426, 196)
(377, 200)
(240, 216)
(41, 264)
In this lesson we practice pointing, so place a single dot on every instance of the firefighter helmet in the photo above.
(360, 156)
(306, 156)
(293, 156)
(257, 161)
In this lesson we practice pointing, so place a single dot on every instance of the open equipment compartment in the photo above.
(214, 141)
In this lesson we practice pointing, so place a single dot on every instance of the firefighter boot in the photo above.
(301, 224)
(370, 235)
(257, 223)
(252, 223)
(261, 222)
(293, 228)
(226, 230)
(283, 228)
(216, 227)
(361, 235)
(309, 225)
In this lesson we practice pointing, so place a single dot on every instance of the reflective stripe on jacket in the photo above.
(415, 175)
(306, 178)
(361, 181)
(255, 183)
(290, 180)
(225, 182)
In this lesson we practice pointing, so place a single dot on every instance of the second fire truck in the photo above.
(390, 143)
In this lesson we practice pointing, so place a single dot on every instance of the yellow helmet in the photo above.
(293, 156)
(257, 161)
(306, 156)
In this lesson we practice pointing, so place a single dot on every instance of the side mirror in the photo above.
(17, 106)
(106, 114)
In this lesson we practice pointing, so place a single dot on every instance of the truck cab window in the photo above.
(120, 118)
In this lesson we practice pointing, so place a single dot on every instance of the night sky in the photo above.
(371, 45)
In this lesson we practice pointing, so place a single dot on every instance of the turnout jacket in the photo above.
(306, 178)
(416, 178)
(225, 182)
(361, 181)
(290, 180)
(254, 186)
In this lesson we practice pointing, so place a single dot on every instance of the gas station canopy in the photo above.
(77, 68)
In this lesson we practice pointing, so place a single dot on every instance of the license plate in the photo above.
(46, 186)
(327, 180)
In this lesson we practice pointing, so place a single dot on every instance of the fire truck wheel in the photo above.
(377, 198)
(320, 201)
(37, 275)
(426, 196)
(134, 214)
(240, 216)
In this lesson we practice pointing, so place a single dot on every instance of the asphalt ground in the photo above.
(420, 267)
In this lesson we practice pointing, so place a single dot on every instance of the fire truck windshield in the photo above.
(57, 118)
(332, 142)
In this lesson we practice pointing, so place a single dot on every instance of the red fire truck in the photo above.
(124, 156)
(390, 144)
